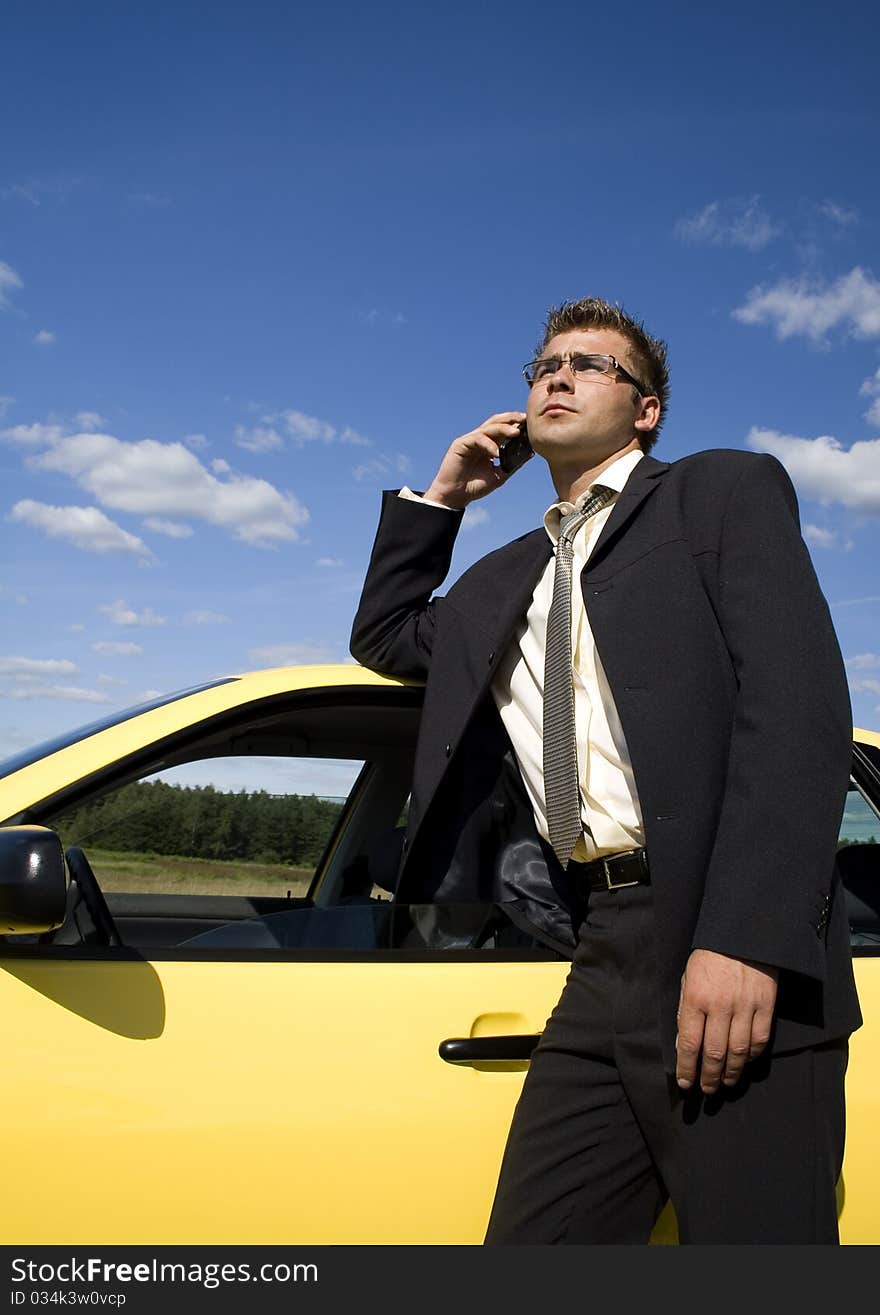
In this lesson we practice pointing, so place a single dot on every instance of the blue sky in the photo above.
(259, 262)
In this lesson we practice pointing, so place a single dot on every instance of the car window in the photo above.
(858, 859)
(236, 826)
(275, 828)
(861, 823)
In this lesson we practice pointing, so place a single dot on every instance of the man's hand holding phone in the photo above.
(480, 462)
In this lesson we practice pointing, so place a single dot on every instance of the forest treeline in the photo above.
(154, 817)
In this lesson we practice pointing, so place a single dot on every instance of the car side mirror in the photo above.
(33, 880)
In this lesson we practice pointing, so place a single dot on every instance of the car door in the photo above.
(211, 1080)
(241, 1097)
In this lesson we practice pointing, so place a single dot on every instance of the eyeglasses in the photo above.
(597, 367)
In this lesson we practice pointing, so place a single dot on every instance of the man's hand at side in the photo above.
(467, 471)
(725, 1012)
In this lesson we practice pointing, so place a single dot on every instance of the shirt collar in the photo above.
(612, 477)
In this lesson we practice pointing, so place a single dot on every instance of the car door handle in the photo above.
(486, 1049)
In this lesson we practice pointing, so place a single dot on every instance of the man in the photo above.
(685, 778)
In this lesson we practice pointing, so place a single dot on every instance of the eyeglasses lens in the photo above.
(594, 367)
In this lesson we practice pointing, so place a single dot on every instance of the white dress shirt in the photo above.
(610, 811)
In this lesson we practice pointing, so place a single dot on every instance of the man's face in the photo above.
(583, 420)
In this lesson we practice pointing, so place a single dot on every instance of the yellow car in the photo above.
(218, 1027)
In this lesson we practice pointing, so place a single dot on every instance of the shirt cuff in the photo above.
(418, 497)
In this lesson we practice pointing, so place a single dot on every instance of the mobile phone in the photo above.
(516, 451)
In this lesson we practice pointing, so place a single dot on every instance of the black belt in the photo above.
(613, 872)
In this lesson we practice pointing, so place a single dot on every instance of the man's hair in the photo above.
(650, 364)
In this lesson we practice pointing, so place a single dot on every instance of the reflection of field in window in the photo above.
(220, 827)
(861, 823)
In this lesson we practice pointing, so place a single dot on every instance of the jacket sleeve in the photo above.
(393, 630)
(768, 882)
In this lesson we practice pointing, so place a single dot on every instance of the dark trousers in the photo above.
(602, 1136)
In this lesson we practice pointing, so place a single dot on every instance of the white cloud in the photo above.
(9, 282)
(864, 662)
(205, 618)
(871, 388)
(6, 401)
(329, 561)
(845, 216)
(76, 627)
(739, 222)
(171, 529)
(22, 192)
(824, 538)
(349, 435)
(44, 338)
(55, 187)
(474, 516)
(89, 420)
(294, 654)
(299, 429)
(36, 667)
(32, 435)
(67, 693)
(796, 306)
(382, 468)
(110, 680)
(303, 428)
(34, 678)
(84, 527)
(112, 648)
(864, 686)
(823, 469)
(258, 439)
(196, 442)
(149, 478)
(123, 615)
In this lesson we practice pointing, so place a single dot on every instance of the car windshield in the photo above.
(63, 741)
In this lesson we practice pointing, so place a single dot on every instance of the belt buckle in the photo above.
(615, 885)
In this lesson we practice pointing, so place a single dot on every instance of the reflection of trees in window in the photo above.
(202, 822)
(859, 825)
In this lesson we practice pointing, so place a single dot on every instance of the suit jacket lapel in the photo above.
(640, 485)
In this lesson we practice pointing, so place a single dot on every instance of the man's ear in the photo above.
(648, 417)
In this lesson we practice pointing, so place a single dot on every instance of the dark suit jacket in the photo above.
(728, 679)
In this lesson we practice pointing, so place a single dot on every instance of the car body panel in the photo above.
(859, 1191)
(221, 1102)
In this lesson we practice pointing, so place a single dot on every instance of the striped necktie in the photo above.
(561, 786)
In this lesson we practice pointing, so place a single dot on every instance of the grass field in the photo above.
(157, 873)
